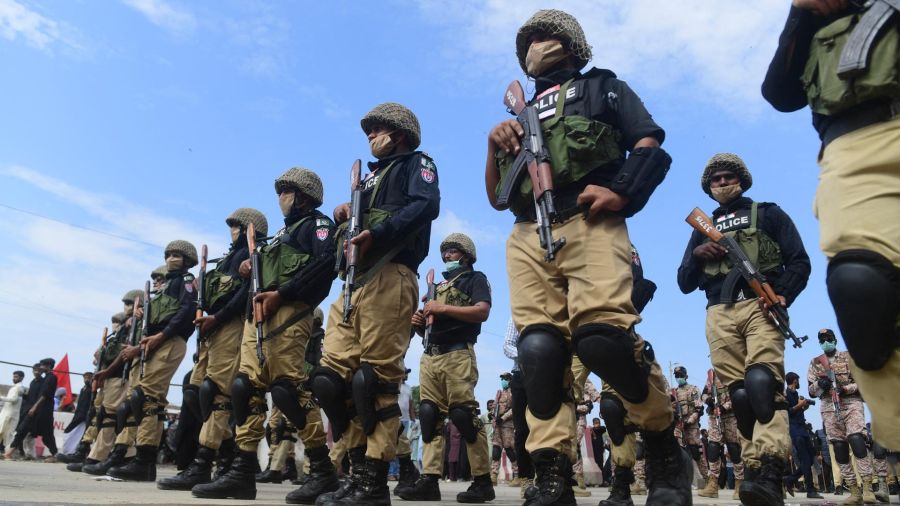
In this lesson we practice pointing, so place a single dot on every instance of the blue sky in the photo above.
(152, 120)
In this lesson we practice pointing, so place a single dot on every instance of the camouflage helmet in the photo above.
(319, 315)
(244, 215)
(304, 180)
(187, 250)
(395, 116)
(558, 24)
(679, 370)
(461, 242)
(118, 318)
(130, 295)
(162, 270)
(726, 161)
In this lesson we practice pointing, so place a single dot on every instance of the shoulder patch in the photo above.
(322, 233)
(427, 172)
(323, 222)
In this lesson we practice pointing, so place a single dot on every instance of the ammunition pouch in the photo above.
(162, 309)
(219, 286)
(280, 260)
(760, 248)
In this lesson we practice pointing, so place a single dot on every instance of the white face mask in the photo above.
(726, 194)
(543, 55)
(382, 145)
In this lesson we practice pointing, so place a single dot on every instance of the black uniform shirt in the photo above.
(787, 281)
(410, 193)
(231, 306)
(181, 324)
(450, 330)
(797, 420)
(314, 237)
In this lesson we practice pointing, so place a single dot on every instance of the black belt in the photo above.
(440, 349)
(860, 117)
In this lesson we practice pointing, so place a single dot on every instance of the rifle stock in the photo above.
(255, 287)
(714, 391)
(95, 385)
(755, 279)
(201, 290)
(429, 295)
(145, 328)
(132, 341)
(353, 229)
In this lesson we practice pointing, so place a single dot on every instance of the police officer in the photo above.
(585, 292)
(363, 356)
(845, 427)
(723, 433)
(587, 396)
(297, 269)
(690, 406)
(158, 277)
(164, 346)
(115, 440)
(747, 350)
(448, 372)
(209, 394)
(853, 90)
(504, 429)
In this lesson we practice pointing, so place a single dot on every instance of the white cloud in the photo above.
(449, 222)
(715, 51)
(17, 20)
(165, 15)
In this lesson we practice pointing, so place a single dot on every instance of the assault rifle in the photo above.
(201, 291)
(132, 341)
(255, 288)
(95, 384)
(354, 227)
(536, 157)
(429, 295)
(857, 51)
(679, 416)
(835, 396)
(145, 328)
(714, 392)
(755, 279)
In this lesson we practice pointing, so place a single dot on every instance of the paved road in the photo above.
(33, 482)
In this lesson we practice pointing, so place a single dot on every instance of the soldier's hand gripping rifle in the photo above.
(429, 295)
(714, 393)
(835, 395)
(201, 291)
(755, 279)
(131, 341)
(145, 327)
(255, 287)
(354, 227)
(536, 157)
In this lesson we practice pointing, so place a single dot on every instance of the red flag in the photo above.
(62, 379)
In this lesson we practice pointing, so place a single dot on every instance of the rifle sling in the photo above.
(855, 55)
(367, 276)
(296, 317)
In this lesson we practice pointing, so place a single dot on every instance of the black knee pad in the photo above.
(136, 401)
(761, 389)
(241, 391)
(208, 392)
(734, 451)
(430, 419)
(743, 410)
(496, 451)
(864, 288)
(365, 389)
(284, 395)
(878, 451)
(858, 445)
(332, 393)
(544, 358)
(465, 422)
(191, 399)
(608, 352)
(639, 450)
(695, 452)
(122, 412)
(841, 451)
(713, 451)
(613, 412)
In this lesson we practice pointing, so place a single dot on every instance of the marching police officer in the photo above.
(747, 350)
(687, 397)
(585, 292)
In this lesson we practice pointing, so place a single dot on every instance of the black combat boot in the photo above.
(553, 479)
(199, 471)
(670, 470)
(141, 468)
(765, 487)
(225, 457)
(321, 478)
(269, 476)
(426, 488)
(238, 483)
(371, 487)
(290, 470)
(81, 453)
(408, 475)
(115, 458)
(481, 490)
(620, 491)
(78, 466)
(348, 485)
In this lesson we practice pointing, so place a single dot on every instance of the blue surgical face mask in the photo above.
(452, 266)
(681, 381)
(828, 346)
(504, 384)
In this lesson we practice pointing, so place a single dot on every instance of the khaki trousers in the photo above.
(284, 360)
(129, 433)
(852, 420)
(377, 333)
(111, 396)
(741, 335)
(625, 454)
(589, 282)
(159, 368)
(857, 202)
(403, 447)
(449, 380)
(219, 360)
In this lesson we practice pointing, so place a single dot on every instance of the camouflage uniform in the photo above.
(727, 435)
(688, 399)
(589, 396)
(504, 432)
